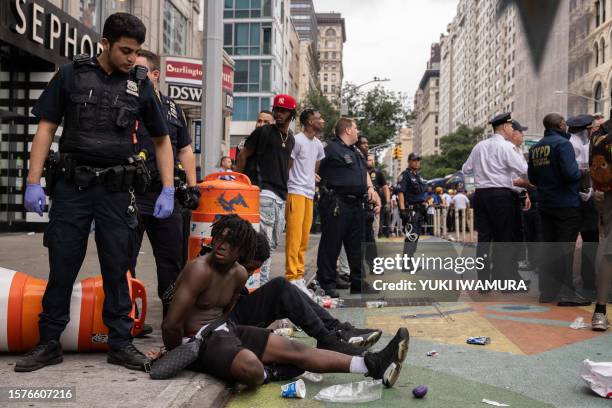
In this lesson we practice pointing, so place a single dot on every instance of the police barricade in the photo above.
(21, 303)
(223, 193)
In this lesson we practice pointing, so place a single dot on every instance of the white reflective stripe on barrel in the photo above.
(6, 278)
(70, 336)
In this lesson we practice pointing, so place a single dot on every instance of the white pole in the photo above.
(212, 68)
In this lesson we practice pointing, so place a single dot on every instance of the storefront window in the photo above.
(93, 13)
(175, 30)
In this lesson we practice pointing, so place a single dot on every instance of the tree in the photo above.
(316, 100)
(455, 149)
(380, 113)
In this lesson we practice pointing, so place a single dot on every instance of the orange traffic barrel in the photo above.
(21, 303)
(220, 197)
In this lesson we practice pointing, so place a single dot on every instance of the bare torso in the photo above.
(218, 294)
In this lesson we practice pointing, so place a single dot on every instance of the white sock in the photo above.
(265, 375)
(358, 366)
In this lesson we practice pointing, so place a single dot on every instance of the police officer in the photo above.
(554, 171)
(411, 199)
(580, 129)
(166, 235)
(99, 100)
(345, 189)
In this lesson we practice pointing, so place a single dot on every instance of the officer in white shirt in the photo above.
(494, 163)
(580, 128)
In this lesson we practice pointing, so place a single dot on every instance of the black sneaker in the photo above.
(128, 356)
(342, 284)
(40, 356)
(146, 330)
(281, 372)
(334, 342)
(387, 363)
(359, 337)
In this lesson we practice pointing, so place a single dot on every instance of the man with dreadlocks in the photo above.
(206, 291)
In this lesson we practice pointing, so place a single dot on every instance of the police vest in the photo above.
(346, 169)
(414, 187)
(100, 116)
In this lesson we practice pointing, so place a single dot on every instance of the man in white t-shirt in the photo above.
(303, 165)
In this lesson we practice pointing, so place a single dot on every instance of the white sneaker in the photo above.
(301, 285)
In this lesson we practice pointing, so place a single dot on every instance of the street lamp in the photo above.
(344, 106)
(597, 101)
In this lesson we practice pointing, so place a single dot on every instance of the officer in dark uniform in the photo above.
(99, 100)
(166, 235)
(411, 200)
(345, 190)
(554, 171)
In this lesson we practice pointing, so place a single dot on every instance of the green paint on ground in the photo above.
(444, 391)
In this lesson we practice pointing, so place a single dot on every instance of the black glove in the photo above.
(189, 197)
(405, 216)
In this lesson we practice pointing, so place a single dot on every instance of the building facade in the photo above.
(304, 19)
(256, 36)
(39, 36)
(486, 68)
(332, 36)
(426, 107)
(590, 60)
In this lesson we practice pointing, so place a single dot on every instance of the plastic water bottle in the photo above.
(356, 392)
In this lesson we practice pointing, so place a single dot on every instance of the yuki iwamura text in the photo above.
(435, 263)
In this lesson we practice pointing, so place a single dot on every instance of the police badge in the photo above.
(131, 88)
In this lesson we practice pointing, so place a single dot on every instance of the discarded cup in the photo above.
(356, 392)
(376, 304)
(433, 353)
(296, 389)
(481, 341)
(579, 324)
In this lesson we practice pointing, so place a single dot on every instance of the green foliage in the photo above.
(316, 100)
(455, 149)
(380, 113)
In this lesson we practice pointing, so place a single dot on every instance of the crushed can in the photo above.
(481, 341)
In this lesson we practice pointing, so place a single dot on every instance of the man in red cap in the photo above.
(265, 159)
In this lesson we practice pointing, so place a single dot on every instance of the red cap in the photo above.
(285, 101)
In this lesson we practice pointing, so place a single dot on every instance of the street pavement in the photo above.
(533, 360)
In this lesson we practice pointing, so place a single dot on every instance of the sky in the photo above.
(390, 38)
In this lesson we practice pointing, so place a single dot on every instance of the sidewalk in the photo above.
(97, 383)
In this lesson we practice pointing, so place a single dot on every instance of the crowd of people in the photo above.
(540, 205)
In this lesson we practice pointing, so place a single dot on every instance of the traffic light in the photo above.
(400, 154)
(394, 155)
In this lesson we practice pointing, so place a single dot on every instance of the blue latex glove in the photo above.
(35, 199)
(165, 203)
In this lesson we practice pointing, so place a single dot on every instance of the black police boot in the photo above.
(387, 363)
(40, 356)
(334, 342)
(281, 372)
(342, 284)
(128, 356)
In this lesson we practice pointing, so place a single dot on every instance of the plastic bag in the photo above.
(356, 392)
(598, 376)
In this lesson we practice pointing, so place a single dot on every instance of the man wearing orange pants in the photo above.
(305, 157)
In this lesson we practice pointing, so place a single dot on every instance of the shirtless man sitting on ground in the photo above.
(206, 291)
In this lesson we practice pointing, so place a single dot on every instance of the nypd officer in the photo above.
(99, 100)
(345, 189)
(580, 128)
(554, 171)
(411, 200)
(166, 235)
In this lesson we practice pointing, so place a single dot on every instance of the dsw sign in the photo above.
(185, 93)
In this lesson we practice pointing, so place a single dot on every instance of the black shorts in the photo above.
(221, 347)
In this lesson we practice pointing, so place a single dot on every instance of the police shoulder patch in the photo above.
(131, 88)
